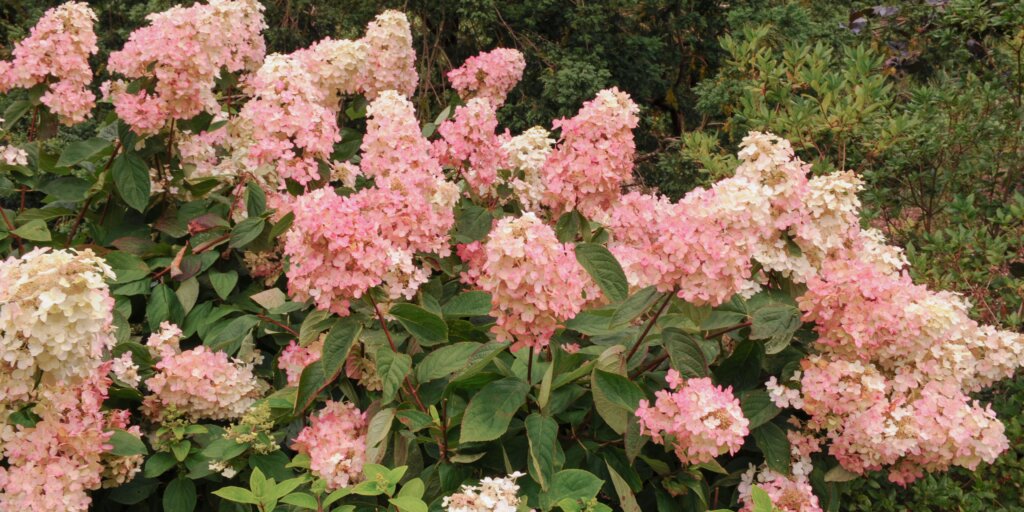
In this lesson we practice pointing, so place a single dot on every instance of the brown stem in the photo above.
(727, 330)
(654, 364)
(24, 190)
(206, 246)
(10, 229)
(650, 324)
(78, 222)
(279, 324)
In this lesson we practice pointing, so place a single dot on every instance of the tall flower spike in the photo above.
(390, 60)
(489, 75)
(58, 46)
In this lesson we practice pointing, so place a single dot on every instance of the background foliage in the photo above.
(922, 98)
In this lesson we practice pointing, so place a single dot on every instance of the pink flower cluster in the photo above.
(295, 358)
(594, 157)
(56, 53)
(787, 493)
(181, 53)
(534, 280)
(699, 420)
(54, 464)
(335, 442)
(199, 383)
(340, 247)
(489, 75)
(469, 143)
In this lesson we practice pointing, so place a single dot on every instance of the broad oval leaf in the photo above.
(491, 409)
(131, 178)
(427, 327)
(602, 266)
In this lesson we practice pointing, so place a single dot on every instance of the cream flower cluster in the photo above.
(200, 383)
(335, 442)
(56, 52)
(527, 153)
(55, 318)
(183, 50)
(491, 495)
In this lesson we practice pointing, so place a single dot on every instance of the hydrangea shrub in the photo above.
(266, 283)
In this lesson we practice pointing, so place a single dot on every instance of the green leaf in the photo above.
(840, 474)
(446, 360)
(127, 266)
(237, 494)
(338, 343)
(310, 383)
(126, 444)
(618, 389)
(131, 178)
(685, 351)
(223, 282)
(569, 226)
(571, 484)
(14, 112)
(762, 502)
(34, 230)
(471, 303)
(427, 327)
(489, 411)
(377, 434)
(158, 464)
(246, 231)
(545, 457)
(602, 266)
(255, 199)
(408, 504)
(772, 441)
(180, 495)
(316, 322)
(227, 337)
(627, 500)
(634, 306)
(777, 324)
(163, 306)
(472, 223)
(392, 368)
(301, 500)
(80, 150)
(758, 407)
(742, 369)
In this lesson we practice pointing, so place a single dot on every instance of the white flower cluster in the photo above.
(55, 318)
(492, 495)
(527, 153)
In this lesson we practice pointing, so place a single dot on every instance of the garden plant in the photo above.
(271, 281)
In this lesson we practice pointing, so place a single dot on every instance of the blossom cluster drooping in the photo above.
(491, 495)
(535, 281)
(335, 442)
(55, 318)
(489, 75)
(698, 419)
(55, 463)
(181, 53)
(56, 53)
(199, 383)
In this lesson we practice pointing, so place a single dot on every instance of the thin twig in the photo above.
(650, 324)
(279, 324)
(10, 229)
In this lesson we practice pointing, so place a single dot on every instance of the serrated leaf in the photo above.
(571, 484)
(758, 407)
(80, 150)
(427, 327)
(392, 368)
(446, 360)
(634, 306)
(602, 266)
(310, 383)
(163, 306)
(131, 178)
(685, 352)
(471, 303)
(776, 324)
(489, 411)
(772, 441)
(338, 343)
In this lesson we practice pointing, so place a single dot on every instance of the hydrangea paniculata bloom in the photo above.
(185, 49)
(594, 156)
(55, 318)
(390, 57)
(58, 46)
(295, 358)
(534, 280)
(491, 495)
(699, 420)
(788, 493)
(489, 75)
(335, 442)
(200, 383)
(13, 155)
(527, 153)
(468, 142)
(54, 464)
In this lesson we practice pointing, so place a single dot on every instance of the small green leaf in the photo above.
(338, 343)
(427, 327)
(762, 502)
(163, 306)
(310, 383)
(571, 484)
(489, 411)
(472, 222)
(80, 150)
(758, 407)
(34, 230)
(775, 323)
(446, 360)
(180, 495)
(471, 303)
(131, 178)
(687, 356)
(392, 368)
(634, 306)
(158, 464)
(545, 456)
(301, 500)
(126, 444)
(772, 441)
(255, 199)
(602, 266)
(237, 494)
(408, 504)
(246, 231)
(223, 282)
